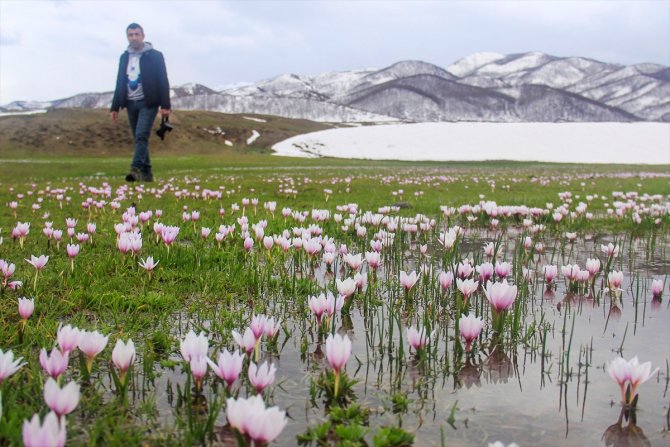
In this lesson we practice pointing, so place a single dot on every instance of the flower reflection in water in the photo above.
(656, 304)
(614, 313)
(549, 294)
(618, 435)
(469, 375)
(499, 366)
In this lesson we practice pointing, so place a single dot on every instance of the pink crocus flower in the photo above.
(408, 280)
(361, 280)
(347, 287)
(123, 356)
(338, 350)
(354, 261)
(198, 367)
(204, 232)
(318, 306)
(26, 308)
(51, 433)
(333, 304)
(194, 346)
(272, 327)
(657, 288)
(639, 374)
(55, 363)
(7, 269)
(247, 342)
(593, 267)
(470, 328)
(619, 370)
(570, 272)
(550, 273)
(446, 279)
(489, 249)
(610, 250)
(467, 287)
(62, 401)
(250, 417)
(68, 338)
(72, 250)
(38, 262)
(615, 279)
(9, 366)
(311, 246)
(92, 344)
(502, 269)
(248, 244)
(263, 427)
(148, 264)
(169, 234)
(228, 366)
(258, 325)
(629, 372)
(261, 376)
(501, 295)
(485, 270)
(373, 259)
(464, 269)
(328, 258)
(417, 338)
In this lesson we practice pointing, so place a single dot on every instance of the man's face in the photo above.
(135, 38)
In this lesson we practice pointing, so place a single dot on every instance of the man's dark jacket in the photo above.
(154, 81)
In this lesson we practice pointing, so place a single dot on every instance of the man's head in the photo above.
(135, 35)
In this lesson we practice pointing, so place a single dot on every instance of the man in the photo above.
(141, 87)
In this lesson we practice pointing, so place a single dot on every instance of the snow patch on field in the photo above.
(254, 136)
(28, 112)
(258, 120)
(624, 143)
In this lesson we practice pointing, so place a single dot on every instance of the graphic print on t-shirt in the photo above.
(133, 72)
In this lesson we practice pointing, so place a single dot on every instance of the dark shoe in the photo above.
(147, 176)
(134, 175)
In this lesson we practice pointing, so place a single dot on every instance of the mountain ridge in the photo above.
(487, 87)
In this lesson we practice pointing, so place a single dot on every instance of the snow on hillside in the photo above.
(254, 136)
(624, 143)
(470, 63)
(28, 112)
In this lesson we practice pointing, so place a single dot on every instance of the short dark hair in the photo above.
(135, 26)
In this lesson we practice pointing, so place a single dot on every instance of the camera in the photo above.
(165, 127)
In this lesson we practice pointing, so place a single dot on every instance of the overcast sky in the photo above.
(55, 49)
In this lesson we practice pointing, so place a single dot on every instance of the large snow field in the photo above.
(624, 143)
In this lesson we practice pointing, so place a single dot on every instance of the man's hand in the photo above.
(114, 115)
(165, 113)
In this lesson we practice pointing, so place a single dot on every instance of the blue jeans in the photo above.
(141, 118)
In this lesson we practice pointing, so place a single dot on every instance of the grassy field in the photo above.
(215, 287)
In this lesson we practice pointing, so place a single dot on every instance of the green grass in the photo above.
(202, 286)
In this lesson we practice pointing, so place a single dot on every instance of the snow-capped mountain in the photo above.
(526, 87)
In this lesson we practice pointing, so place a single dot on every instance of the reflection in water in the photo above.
(549, 294)
(615, 312)
(563, 340)
(470, 374)
(656, 303)
(617, 435)
(317, 355)
(498, 365)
